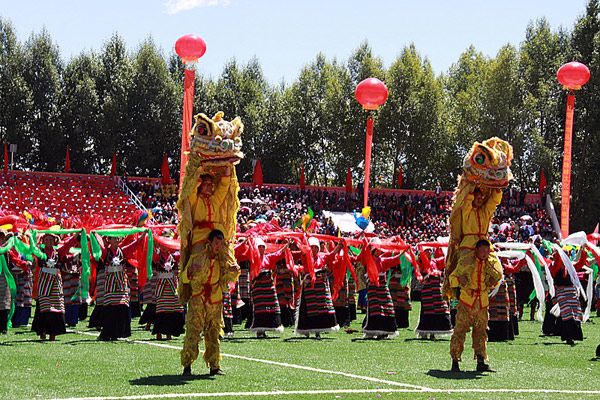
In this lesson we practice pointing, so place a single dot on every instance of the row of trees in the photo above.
(130, 102)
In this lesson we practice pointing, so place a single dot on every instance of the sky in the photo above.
(286, 35)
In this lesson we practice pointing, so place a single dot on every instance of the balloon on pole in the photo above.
(189, 48)
(573, 76)
(370, 93)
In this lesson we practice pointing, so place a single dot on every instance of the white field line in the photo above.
(409, 389)
(341, 391)
(282, 364)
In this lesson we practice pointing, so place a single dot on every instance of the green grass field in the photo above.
(340, 366)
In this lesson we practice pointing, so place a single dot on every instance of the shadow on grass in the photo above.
(444, 339)
(297, 339)
(168, 380)
(371, 339)
(440, 374)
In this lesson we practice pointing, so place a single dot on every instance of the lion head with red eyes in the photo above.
(488, 163)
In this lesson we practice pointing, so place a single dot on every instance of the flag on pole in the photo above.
(113, 168)
(302, 178)
(400, 179)
(68, 162)
(348, 181)
(257, 176)
(595, 241)
(5, 157)
(164, 169)
(543, 186)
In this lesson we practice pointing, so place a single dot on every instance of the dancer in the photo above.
(474, 278)
(169, 316)
(208, 275)
(315, 313)
(49, 317)
(266, 313)
(434, 318)
(380, 321)
(116, 322)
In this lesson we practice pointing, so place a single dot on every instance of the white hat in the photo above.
(375, 240)
(259, 242)
(313, 241)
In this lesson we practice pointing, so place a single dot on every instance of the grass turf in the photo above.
(77, 365)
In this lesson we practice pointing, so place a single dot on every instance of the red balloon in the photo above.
(573, 74)
(371, 93)
(190, 47)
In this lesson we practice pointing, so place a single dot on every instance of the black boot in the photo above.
(455, 367)
(482, 366)
(187, 371)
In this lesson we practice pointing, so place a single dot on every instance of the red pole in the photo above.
(368, 158)
(188, 106)
(566, 168)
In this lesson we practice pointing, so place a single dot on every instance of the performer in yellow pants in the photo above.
(478, 273)
(208, 274)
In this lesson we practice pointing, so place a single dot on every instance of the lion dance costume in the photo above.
(487, 167)
(214, 144)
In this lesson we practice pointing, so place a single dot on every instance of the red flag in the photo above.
(113, 168)
(595, 241)
(5, 158)
(302, 178)
(543, 185)
(165, 171)
(348, 181)
(257, 176)
(68, 162)
(400, 179)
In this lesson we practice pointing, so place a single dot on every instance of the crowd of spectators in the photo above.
(158, 198)
(412, 217)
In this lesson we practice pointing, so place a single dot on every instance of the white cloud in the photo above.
(175, 6)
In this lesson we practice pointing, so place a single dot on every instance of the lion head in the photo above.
(488, 163)
(217, 141)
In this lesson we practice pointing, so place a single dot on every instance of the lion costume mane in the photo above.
(487, 166)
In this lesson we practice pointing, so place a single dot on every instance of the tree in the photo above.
(153, 111)
(410, 124)
(16, 99)
(79, 110)
(42, 73)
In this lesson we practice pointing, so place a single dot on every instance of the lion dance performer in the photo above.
(208, 204)
(468, 277)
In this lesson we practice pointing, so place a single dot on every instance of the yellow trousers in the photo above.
(202, 318)
(467, 317)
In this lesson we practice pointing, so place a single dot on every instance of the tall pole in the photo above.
(188, 107)
(565, 198)
(368, 148)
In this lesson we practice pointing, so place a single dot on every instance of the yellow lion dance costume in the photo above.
(486, 166)
(214, 143)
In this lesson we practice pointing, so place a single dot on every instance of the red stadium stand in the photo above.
(62, 195)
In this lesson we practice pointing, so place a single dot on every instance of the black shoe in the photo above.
(455, 367)
(571, 342)
(598, 351)
(217, 371)
(483, 367)
(187, 371)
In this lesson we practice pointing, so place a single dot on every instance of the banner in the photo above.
(188, 108)
(566, 169)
